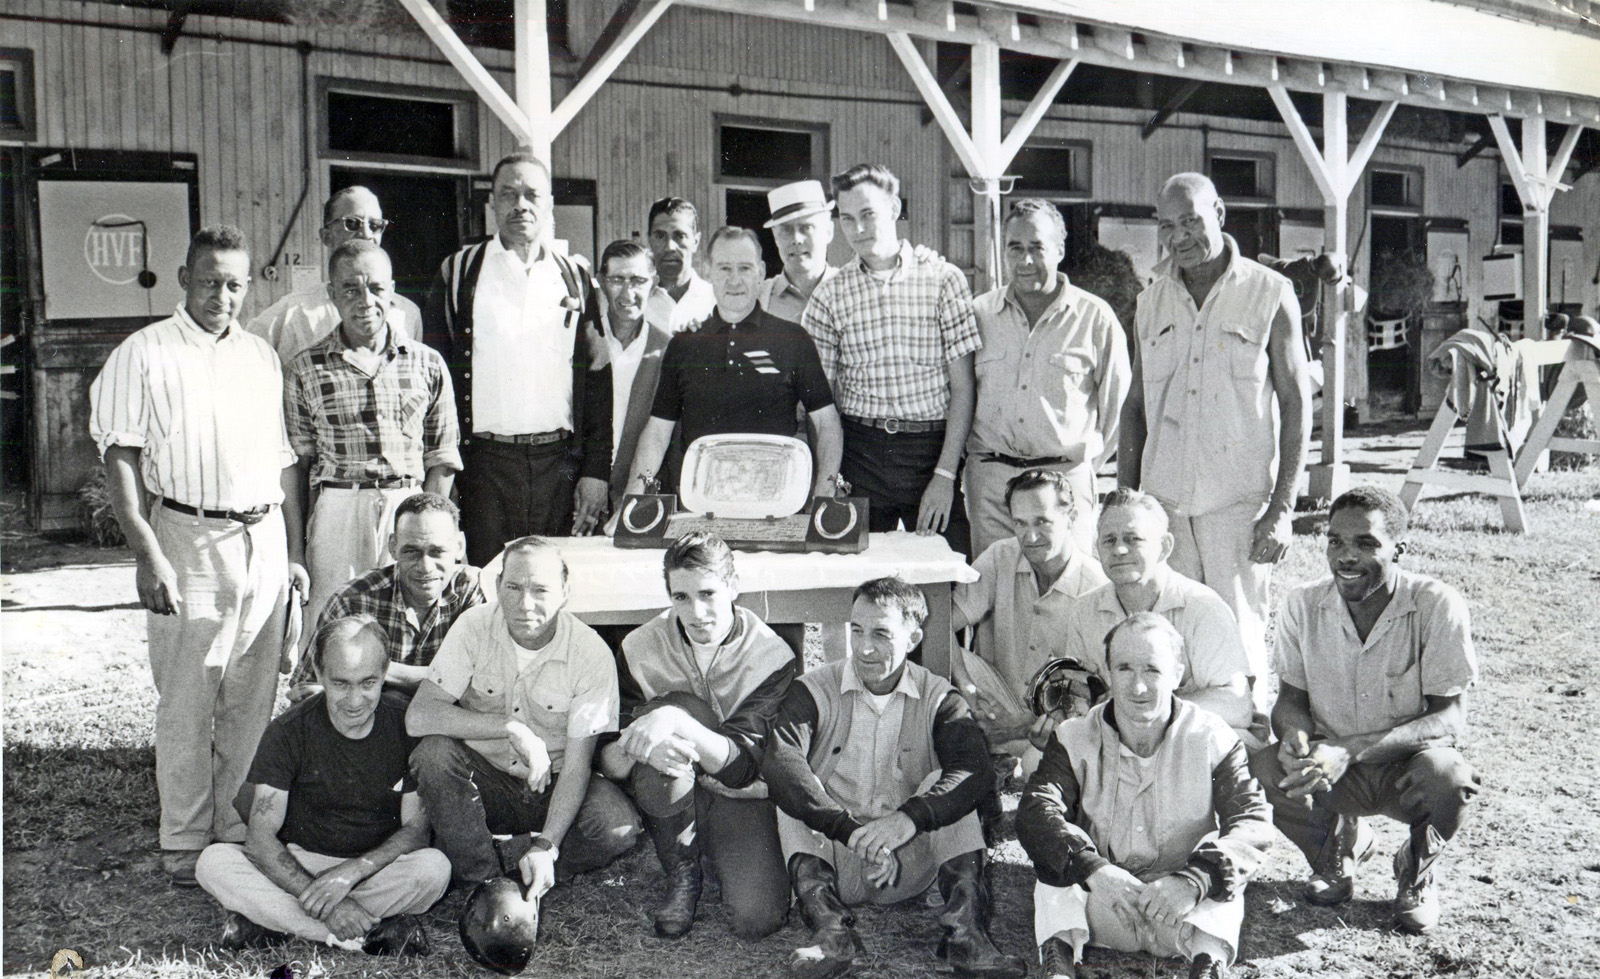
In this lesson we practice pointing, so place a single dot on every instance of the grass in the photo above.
(1521, 883)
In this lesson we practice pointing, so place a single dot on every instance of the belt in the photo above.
(535, 438)
(1016, 463)
(246, 517)
(895, 426)
(398, 482)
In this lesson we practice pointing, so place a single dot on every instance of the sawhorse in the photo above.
(1578, 367)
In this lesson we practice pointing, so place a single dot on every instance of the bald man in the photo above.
(337, 849)
(306, 315)
(1216, 420)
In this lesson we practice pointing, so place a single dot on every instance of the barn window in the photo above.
(399, 125)
(1243, 177)
(1053, 169)
(16, 93)
(1395, 189)
(756, 155)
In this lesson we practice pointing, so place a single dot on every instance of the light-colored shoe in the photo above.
(1416, 896)
(1334, 878)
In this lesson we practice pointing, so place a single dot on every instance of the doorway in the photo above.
(427, 211)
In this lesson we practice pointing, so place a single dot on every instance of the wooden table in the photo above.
(619, 586)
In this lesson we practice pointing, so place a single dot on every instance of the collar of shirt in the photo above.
(715, 324)
(452, 593)
(1065, 293)
(497, 251)
(849, 682)
(693, 290)
(186, 320)
(781, 283)
(1403, 603)
(1168, 267)
(1075, 559)
(1167, 599)
(554, 651)
(335, 343)
(904, 260)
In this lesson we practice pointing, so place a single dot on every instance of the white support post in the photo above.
(1029, 120)
(459, 55)
(986, 140)
(601, 70)
(1535, 230)
(533, 75)
(1331, 475)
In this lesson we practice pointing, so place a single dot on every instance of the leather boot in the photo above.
(681, 861)
(834, 943)
(1416, 898)
(966, 947)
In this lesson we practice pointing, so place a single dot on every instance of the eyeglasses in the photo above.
(626, 281)
(354, 224)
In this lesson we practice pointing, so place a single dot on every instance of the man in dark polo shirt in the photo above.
(336, 850)
(743, 372)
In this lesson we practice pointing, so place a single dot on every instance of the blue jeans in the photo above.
(469, 800)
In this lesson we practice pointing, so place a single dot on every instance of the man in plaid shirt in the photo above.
(415, 600)
(896, 334)
(372, 416)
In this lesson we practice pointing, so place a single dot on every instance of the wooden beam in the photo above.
(1115, 40)
(175, 21)
(1062, 32)
(999, 24)
(876, 9)
(1029, 120)
(1466, 156)
(604, 67)
(1427, 85)
(928, 86)
(1355, 79)
(471, 69)
(1513, 159)
(1392, 82)
(1257, 65)
(1587, 110)
(1558, 163)
(1462, 92)
(1305, 74)
(1169, 50)
(1216, 60)
(941, 12)
(1305, 143)
(1173, 105)
(1369, 142)
(1495, 99)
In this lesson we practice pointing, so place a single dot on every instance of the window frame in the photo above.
(819, 132)
(1266, 174)
(21, 60)
(1082, 151)
(467, 151)
(1411, 173)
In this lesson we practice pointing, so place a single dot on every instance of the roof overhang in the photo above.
(1416, 52)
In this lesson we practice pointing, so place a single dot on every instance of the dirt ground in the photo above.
(1521, 883)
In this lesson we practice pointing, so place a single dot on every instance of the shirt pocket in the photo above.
(1246, 347)
(1402, 681)
(547, 716)
(1160, 353)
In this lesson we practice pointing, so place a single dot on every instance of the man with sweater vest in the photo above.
(702, 683)
(1142, 822)
(877, 767)
(635, 342)
(518, 324)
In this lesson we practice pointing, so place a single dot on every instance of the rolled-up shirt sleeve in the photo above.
(441, 431)
(119, 399)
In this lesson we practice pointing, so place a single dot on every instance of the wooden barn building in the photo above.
(1459, 131)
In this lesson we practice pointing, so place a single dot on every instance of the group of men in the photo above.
(446, 729)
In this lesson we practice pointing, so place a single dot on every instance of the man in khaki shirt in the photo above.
(1052, 376)
(1374, 665)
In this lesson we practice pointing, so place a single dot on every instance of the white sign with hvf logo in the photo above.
(112, 248)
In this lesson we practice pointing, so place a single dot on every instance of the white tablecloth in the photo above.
(607, 578)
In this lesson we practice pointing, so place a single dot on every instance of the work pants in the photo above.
(920, 857)
(347, 536)
(412, 884)
(215, 665)
(510, 491)
(1214, 549)
(1212, 927)
(469, 801)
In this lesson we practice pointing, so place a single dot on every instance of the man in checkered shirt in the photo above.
(896, 334)
(372, 417)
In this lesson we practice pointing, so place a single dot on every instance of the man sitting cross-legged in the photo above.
(702, 685)
(509, 717)
(1142, 821)
(415, 600)
(1134, 547)
(877, 766)
(336, 839)
(1374, 665)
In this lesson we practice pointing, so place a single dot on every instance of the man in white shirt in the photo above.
(306, 315)
(681, 299)
(634, 345)
(518, 324)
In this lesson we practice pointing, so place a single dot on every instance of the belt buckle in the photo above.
(892, 426)
(250, 517)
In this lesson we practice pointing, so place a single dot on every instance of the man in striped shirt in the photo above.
(896, 334)
(372, 416)
(188, 416)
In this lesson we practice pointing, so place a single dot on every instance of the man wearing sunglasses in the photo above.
(307, 315)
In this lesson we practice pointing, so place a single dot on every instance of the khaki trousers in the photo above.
(215, 665)
(1214, 549)
(1212, 927)
(410, 885)
(920, 858)
(347, 536)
